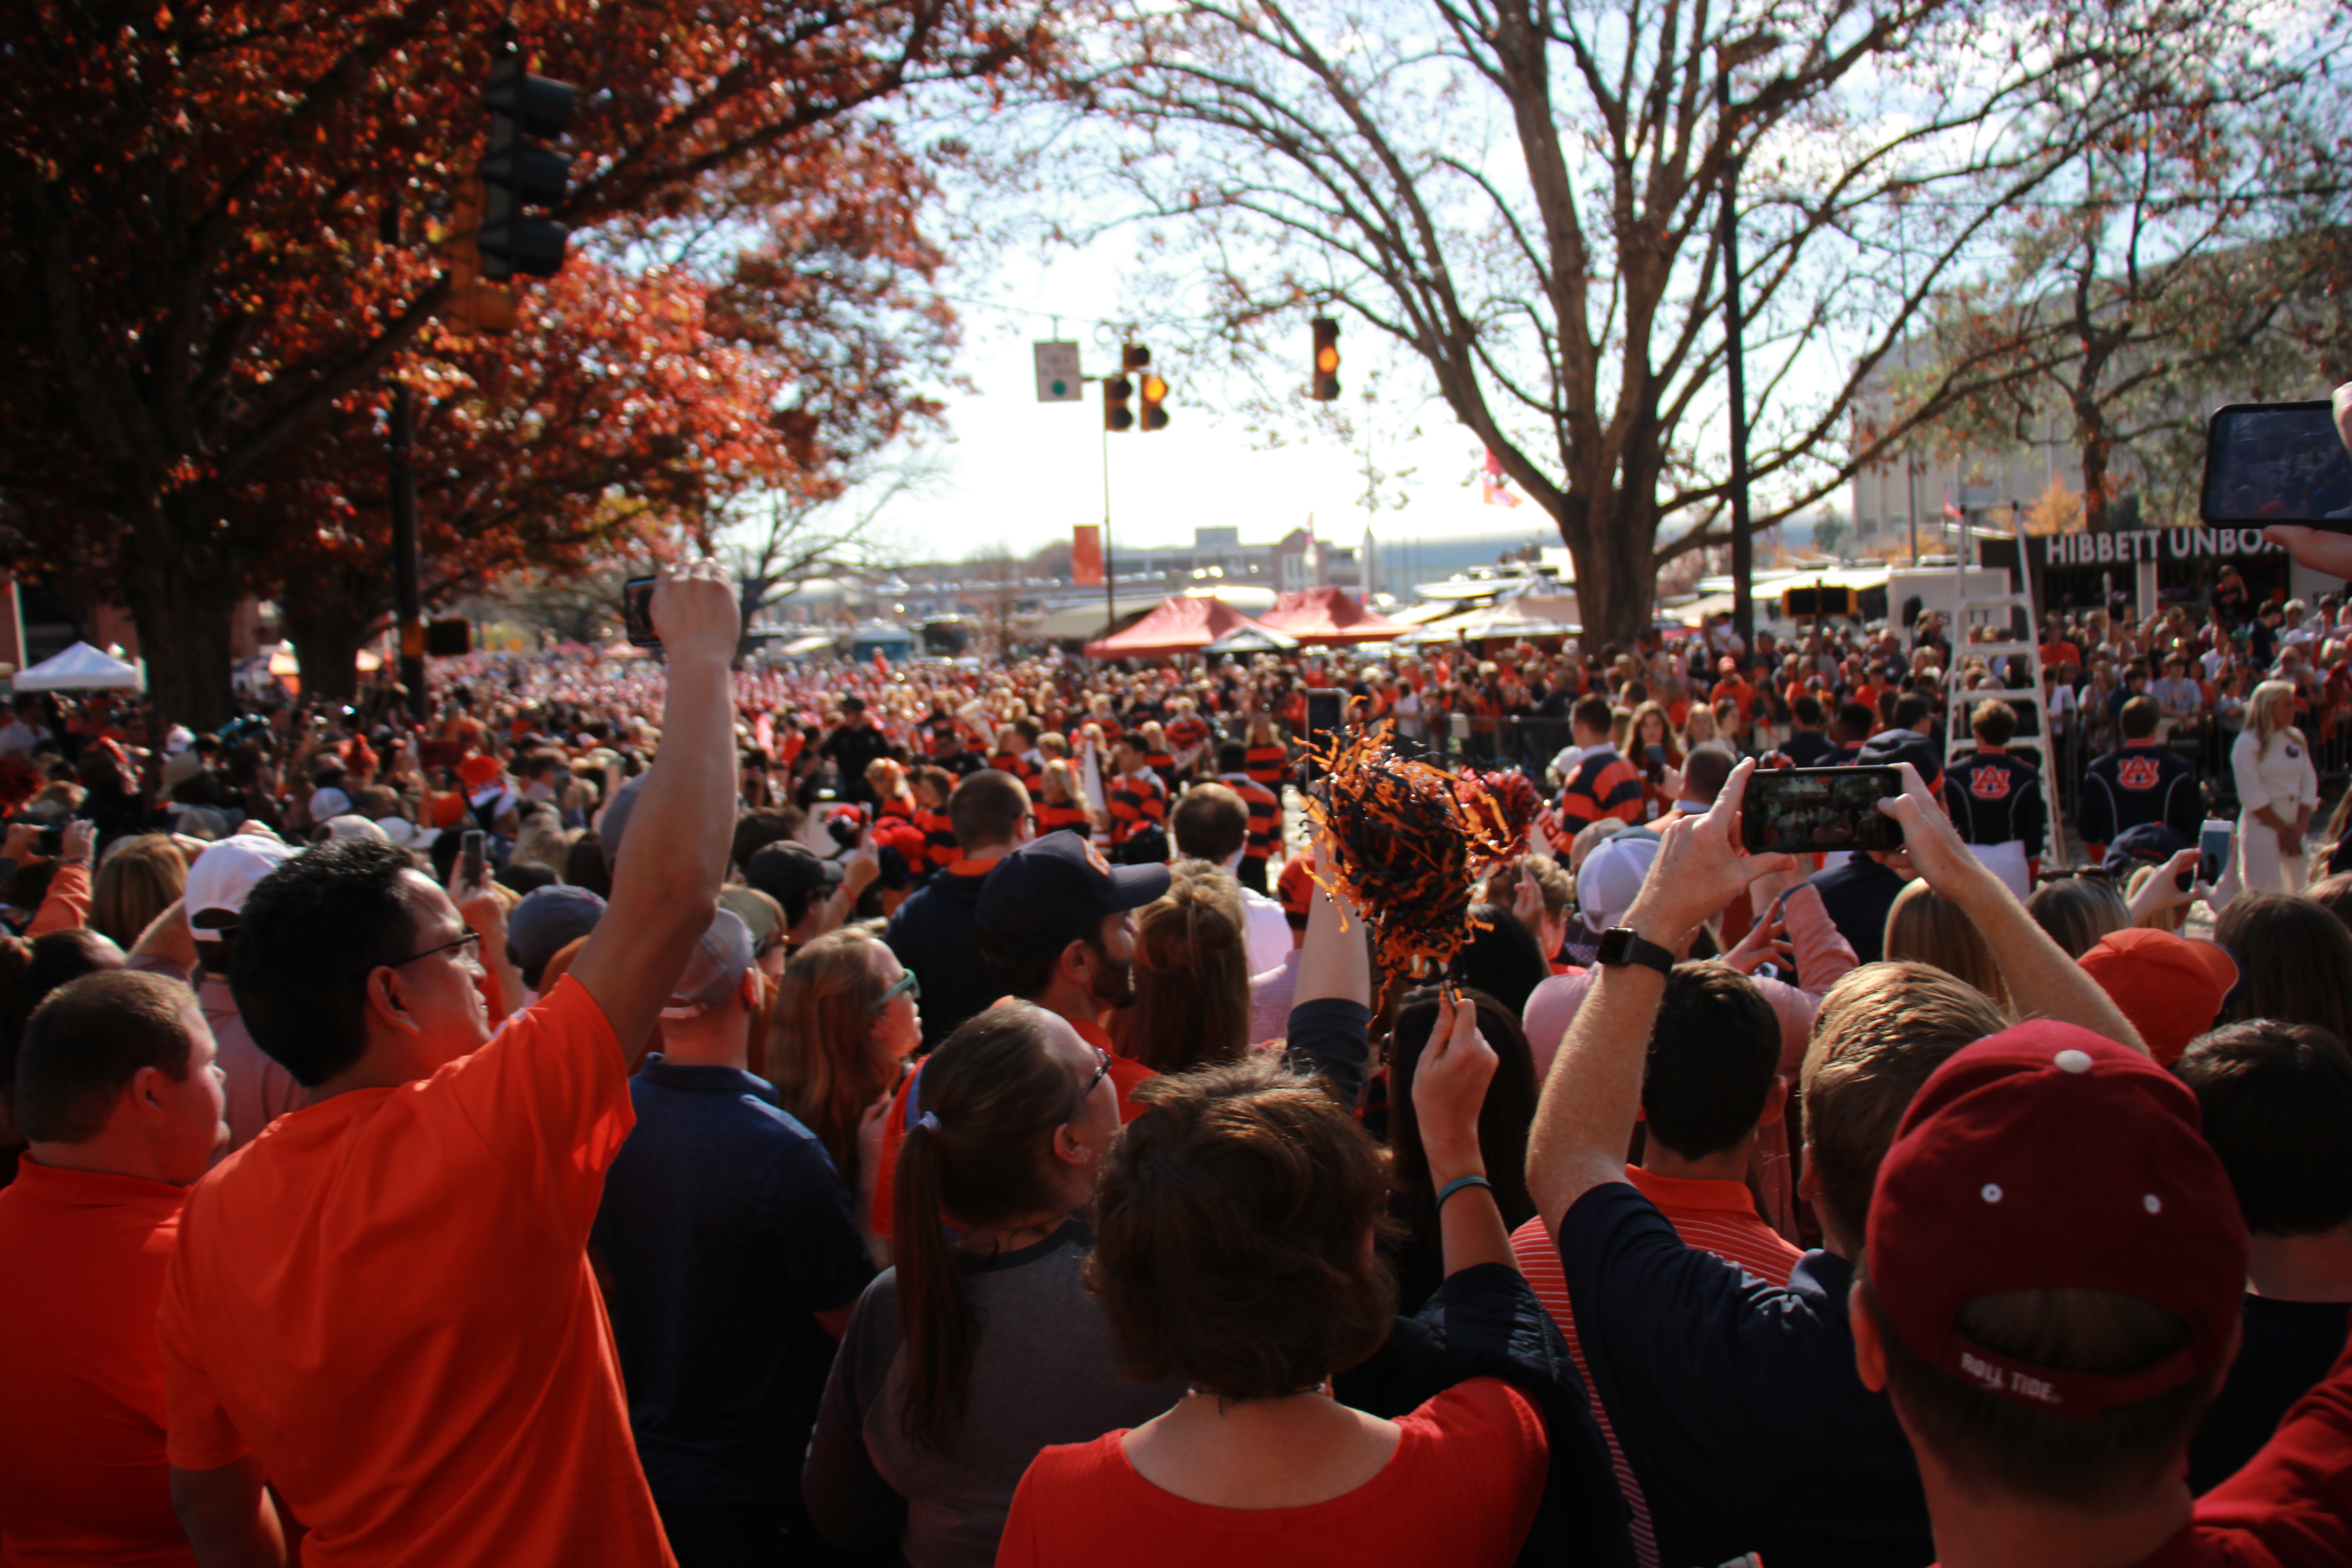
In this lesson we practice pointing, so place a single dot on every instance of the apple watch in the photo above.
(1619, 945)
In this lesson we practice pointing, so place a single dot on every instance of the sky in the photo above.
(1022, 473)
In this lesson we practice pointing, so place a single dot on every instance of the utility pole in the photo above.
(1743, 545)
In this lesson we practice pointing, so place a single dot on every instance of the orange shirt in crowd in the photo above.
(1716, 1216)
(1460, 1490)
(1124, 1076)
(386, 1298)
(82, 1477)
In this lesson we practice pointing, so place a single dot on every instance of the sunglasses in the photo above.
(907, 985)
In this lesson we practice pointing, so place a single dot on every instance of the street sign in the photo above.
(1057, 372)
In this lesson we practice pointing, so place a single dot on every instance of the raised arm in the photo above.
(1331, 1006)
(1593, 1093)
(668, 881)
(1449, 1090)
(2044, 983)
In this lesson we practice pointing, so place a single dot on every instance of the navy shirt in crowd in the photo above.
(2288, 1349)
(1857, 896)
(725, 1230)
(1811, 749)
(934, 934)
(1735, 1400)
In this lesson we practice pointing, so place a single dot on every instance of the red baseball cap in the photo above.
(2170, 987)
(2044, 1157)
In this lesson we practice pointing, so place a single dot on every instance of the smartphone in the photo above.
(2214, 844)
(1656, 755)
(469, 858)
(1797, 811)
(637, 612)
(2277, 462)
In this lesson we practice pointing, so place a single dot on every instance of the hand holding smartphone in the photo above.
(470, 859)
(1801, 810)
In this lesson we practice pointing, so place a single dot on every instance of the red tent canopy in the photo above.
(1327, 617)
(1179, 626)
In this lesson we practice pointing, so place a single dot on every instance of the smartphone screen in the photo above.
(2277, 462)
(637, 612)
(2213, 841)
(1804, 810)
(469, 858)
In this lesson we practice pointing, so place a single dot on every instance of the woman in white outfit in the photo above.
(2278, 791)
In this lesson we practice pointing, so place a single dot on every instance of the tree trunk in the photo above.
(1616, 576)
(184, 601)
(327, 636)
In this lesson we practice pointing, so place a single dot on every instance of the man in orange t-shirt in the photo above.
(118, 1095)
(384, 1303)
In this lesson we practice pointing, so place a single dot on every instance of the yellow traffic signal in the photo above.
(1327, 360)
(1155, 392)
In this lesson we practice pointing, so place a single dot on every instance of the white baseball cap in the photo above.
(1611, 878)
(223, 875)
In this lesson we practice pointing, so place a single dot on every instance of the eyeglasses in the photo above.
(909, 985)
(472, 940)
(1102, 1069)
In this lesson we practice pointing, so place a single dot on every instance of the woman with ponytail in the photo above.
(1191, 975)
(983, 1345)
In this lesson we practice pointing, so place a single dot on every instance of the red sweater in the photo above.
(1460, 1492)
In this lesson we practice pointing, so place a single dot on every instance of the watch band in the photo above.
(1622, 945)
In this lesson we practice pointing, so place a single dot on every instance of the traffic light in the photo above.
(1117, 415)
(1154, 389)
(525, 110)
(473, 306)
(1326, 359)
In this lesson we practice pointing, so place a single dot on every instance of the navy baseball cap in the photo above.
(1889, 747)
(546, 920)
(2151, 841)
(1046, 894)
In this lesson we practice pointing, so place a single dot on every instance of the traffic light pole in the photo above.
(407, 573)
(406, 569)
(1110, 578)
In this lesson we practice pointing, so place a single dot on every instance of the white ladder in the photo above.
(1996, 614)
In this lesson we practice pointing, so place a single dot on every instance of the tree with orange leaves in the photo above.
(222, 226)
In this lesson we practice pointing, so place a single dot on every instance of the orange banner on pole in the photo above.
(1085, 555)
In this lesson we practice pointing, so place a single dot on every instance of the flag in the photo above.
(1494, 490)
(1085, 555)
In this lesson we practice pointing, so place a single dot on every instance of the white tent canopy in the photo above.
(80, 667)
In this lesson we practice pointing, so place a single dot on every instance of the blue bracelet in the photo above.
(1457, 1183)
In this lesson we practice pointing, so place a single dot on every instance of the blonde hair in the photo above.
(1880, 1032)
(1925, 927)
(1057, 772)
(1191, 975)
(823, 1055)
(140, 879)
(888, 779)
(2258, 708)
(544, 842)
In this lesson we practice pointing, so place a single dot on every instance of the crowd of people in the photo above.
(654, 1112)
